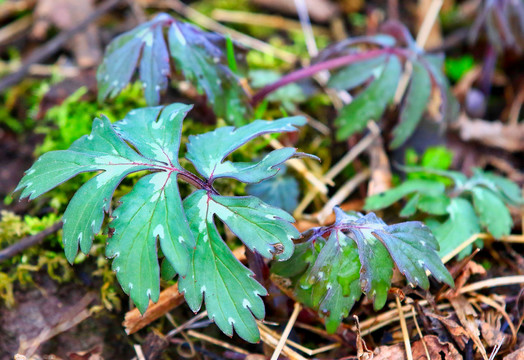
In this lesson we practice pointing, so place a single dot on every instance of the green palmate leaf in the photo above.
(415, 103)
(152, 216)
(153, 209)
(493, 213)
(207, 152)
(200, 56)
(389, 197)
(330, 277)
(371, 103)
(231, 294)
(280, 191)
(460, 226)
(357, 73)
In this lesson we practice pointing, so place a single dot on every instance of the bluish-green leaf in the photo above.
(208, 151)
(200, 56)
(151, 212)
(281, 191)
(414, 104)
(371, 102)
(231, 294)
(414, 250)
(262, 228)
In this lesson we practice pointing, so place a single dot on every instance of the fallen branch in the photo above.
(492, 133)
(27, 242)
(48, 49)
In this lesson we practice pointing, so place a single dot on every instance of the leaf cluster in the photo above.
(503, 23)
(359, 256)
(377, 71)
(202, 58)
(458, 207)
(153, 221)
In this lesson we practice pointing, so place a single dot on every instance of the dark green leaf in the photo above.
(231, 294)
(415, 103)
(280, 191)
(371, 102)
(202, 58)
(151, 211)
(146, 44)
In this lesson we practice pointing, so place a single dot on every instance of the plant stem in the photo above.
(321, 66)
(196, 181)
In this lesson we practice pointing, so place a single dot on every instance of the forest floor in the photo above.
(49, 54)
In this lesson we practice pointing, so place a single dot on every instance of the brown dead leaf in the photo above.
(65, 15)
(471, 268)
(468, 318)
(380, 168)
(91, 354)
(393, 352)
(436, 349)
(492, 133)
(492, 335)
(460, 335)
(516, 355)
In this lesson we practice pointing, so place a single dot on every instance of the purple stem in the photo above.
(321, 66)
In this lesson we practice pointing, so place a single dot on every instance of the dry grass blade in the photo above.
(214, 341)
(486, 300)
(413, 313)
(500, 281)
(272, 341)
(347, 159)
(404, 327)
(287, 330)
(343, 192)
(187, 324)
(256, 19)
